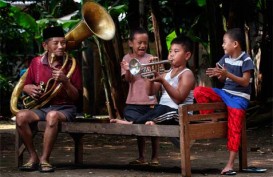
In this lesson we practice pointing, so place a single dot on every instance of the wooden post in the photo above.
(184, 143)
(78, 144)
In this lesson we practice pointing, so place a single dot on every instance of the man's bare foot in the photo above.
(149, 123)
(118, 121)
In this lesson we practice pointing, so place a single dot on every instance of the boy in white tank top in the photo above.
(177, 85)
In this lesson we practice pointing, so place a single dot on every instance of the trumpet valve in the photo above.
(42, 87)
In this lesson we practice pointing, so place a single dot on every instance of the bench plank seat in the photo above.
(116, 129)
(191, 127)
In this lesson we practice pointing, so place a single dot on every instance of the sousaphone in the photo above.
(96, 21)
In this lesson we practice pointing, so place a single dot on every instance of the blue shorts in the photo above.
(69, 111)
(232, 101)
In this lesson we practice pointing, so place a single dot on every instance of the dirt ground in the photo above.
(108, 156)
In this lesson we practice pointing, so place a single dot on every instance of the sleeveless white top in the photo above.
(166, 99)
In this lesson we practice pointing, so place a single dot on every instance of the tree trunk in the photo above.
(236, 14)
(114, 54)
(133, 14)
(87, 78)
(266, 52)
(160, 37)
(216, 33)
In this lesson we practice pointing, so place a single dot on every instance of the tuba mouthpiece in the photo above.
(52, 57)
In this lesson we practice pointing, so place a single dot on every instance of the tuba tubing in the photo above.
(47, 90)
(58, 87)
(20, 85)
(16, 93)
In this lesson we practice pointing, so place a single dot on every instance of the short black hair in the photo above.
(236, 34)
(185, 41)
(137, 30)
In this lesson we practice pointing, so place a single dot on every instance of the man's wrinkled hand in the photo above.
(58, 75)
(33, 91)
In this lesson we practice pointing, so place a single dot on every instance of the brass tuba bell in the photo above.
(96, 21)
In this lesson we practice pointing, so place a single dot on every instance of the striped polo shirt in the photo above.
(237, 66)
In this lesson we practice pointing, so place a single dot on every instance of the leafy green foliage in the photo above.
(201, 3)
(117, 10)
(17, 33)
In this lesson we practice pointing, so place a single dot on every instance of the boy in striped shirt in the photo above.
(235, 70)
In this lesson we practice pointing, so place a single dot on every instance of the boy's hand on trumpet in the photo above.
(156, 77)
(124, 65)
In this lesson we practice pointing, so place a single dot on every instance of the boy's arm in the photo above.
(185, 85)
(243, 81)
(127, 76)
(152, 85)
(125, 71)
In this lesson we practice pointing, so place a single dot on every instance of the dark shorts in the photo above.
(69, 111)
(133, 112)
(139, 114)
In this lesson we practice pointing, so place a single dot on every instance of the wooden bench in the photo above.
(192, 127)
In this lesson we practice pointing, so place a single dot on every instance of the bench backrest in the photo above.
(204, 126)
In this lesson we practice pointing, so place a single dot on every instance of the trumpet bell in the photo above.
(148, 70)
(134, 66)
(95, 21)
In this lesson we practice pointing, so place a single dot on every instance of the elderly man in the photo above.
(53, 67)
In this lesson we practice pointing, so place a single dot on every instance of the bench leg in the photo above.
(243, 148)
(78, 144)
(185, 153)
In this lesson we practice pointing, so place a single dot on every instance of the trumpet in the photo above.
(148, 70)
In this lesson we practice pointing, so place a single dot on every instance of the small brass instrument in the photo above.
(95, 21)
(148, 70)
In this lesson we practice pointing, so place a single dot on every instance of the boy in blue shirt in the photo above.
(235, 70)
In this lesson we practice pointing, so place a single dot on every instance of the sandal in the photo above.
(45, 167)
(29, 166)
(138, 162)
(253, 169)
(154, 163)
(229, 173)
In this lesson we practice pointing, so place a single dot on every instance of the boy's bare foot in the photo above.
(226, 169)
(118, 121)
(149, 123)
